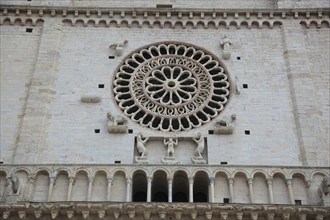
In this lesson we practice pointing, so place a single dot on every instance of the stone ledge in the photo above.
(101, 210)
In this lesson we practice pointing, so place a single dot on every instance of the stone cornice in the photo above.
(116, 210)
(169, 12)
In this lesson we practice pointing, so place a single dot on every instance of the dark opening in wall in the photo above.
(247, 132)
(225, 200)
(29, 30)
(117, 161)
(111, 57)
(1, 162)
(29, 0)
(297, 202)
(101, 86)
(238, 58)
(211, 131)
(245, 86)
(97, 130)
(223, 162)
(163, 6)
(130, 131)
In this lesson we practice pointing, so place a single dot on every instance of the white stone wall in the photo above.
(19, 50)
(73, 61)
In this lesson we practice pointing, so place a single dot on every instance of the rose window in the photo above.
(171, 86)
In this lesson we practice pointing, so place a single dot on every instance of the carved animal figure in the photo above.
(15, 184)
(324, 189)
(170, 143)
(140, 145)
(200, 145)
(119, 44)
(225, 122)
(116, 120)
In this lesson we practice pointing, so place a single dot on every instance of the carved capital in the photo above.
(71, 179)
(250, 181)
(289, 182)
(231, 181)
(212, 180)
(52, 179)
(269, 181)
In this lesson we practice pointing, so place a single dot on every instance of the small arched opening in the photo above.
(180, 187)
(139, 187)
(201, 187)
(159, 187)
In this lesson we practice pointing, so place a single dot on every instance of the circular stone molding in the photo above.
(171, 86)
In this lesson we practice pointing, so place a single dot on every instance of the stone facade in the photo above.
(223, 106)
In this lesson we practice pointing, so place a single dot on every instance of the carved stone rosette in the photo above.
(171, 86)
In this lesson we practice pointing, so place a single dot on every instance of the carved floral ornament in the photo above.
(171, 86)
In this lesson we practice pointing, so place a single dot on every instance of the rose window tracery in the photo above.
(171, 86)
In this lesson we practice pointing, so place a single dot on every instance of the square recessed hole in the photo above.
(297, 202)
(238, 58)
(211, 131)
(101, 86)
(29, 30)
(130, 131)
(245, 86)
(28, 0)
(111, 57)
(247, 132)
(1, 162)
(117, 161)
(223, 162)
(225, 200)
(163, 6)
(97, 130)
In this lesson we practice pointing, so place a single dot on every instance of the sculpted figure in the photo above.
(225, 122)
(225, 43)
(13, 189)
(119, 47)
(225, 125)
(116, 120)
(140, 145)
(170, 143)
(200, 145)
(323, 190)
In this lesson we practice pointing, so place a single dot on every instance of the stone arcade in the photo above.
(168, 109)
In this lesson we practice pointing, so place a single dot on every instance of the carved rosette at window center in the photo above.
(171, 86)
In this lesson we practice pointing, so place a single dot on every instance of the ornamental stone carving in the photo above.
(198, 157)
(171, 86)
(116, 124)
(323, 192)
(13, 190)
(225, 125)
(141, 148)
(119, 47)
(170, 143)
(225, 43)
